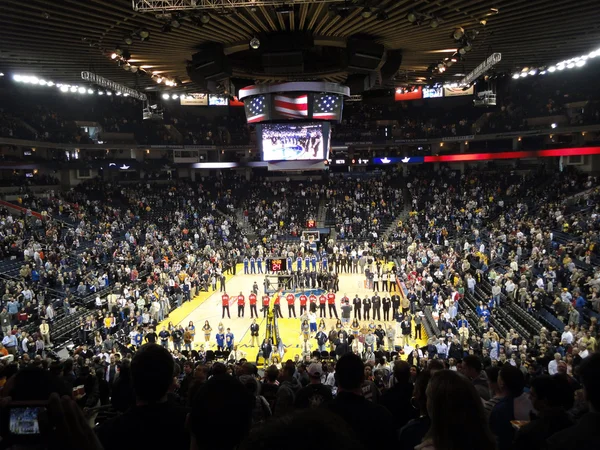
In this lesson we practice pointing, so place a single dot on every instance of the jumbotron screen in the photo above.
(295, 141)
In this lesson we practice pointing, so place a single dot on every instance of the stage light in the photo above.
(532, 72)
(113, 56)
(118, 93)
(108, 93)
(144, 34)
(570, 65)
(560, 67)
(367, 13)
(382, 15)
(553, 125)
(552, 69)
(580, 63)
(81, 90)
(165, 96)
(254, 43)
(543, 72)
(64, 89)
(434, 23)
(118, 51)
(128, 41)
(159, 80)
(204, 18)
(100, 93)
(17, 78)
(73, 89)
(174, 96)
(43, 83)
(523, 74)
(90, 91)
(50, 83)
(411, 17)
(515, 76)
(458, 33)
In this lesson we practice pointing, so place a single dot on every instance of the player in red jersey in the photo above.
(291, 298)
(265, 303)
(225, 303)
(277, 306)
(252, 300)
(303, 300)
(322, 301)
(241, 304)
(313, 302)
(331, 303)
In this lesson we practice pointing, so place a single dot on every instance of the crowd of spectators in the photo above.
(482, 260)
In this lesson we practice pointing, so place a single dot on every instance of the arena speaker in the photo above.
(210, 63)
(359, 83)
(284, 53)
(393, 60)
(364, 56)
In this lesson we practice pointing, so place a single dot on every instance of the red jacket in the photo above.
(266, 300)
(313, 298)
(303, 300)
(331, 299)
(322, 299)
(290, 299)
(241, 300)
(252, 299)
(225, 300)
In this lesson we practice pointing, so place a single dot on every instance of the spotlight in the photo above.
(134, 69)
(64, 89)
(113, 56)
(532, 72)
(570, 65)
(523, 74)
(127, 67)
(552, 69)
(553, 125)
(434, 23)
(73, 89)
(50, 83)
(411, 17)
(515, 76)
(165, 96)
(175, 23)
(108, 93)
(254, 43)
(81, 90)
(174, 96)
(483, 22)
(100, 93)
(159, 80)
(128, 40)
(118, 93)
(204, 18)
(90, 91)
(382, 15)
(43, 82)
(17, 78)
(458, 33)
(118, 51)
(144, 34)
(580, 63)
(543, 72)
(366, 13)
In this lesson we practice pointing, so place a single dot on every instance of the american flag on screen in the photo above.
(293, 107)
(327, 107)
(256, 109)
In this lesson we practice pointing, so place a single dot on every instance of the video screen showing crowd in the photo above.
(286, 142)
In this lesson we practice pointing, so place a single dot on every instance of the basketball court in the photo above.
(207, 306)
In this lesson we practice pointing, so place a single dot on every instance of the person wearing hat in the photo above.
(315, 393)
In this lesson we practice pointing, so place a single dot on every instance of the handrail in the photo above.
(20, 209)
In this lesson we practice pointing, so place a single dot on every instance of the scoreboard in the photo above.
(276, 264)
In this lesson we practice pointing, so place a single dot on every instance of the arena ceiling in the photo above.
(57, 39)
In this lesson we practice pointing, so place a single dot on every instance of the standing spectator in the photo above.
(397, 399)
(315, 394)
(466, 427)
